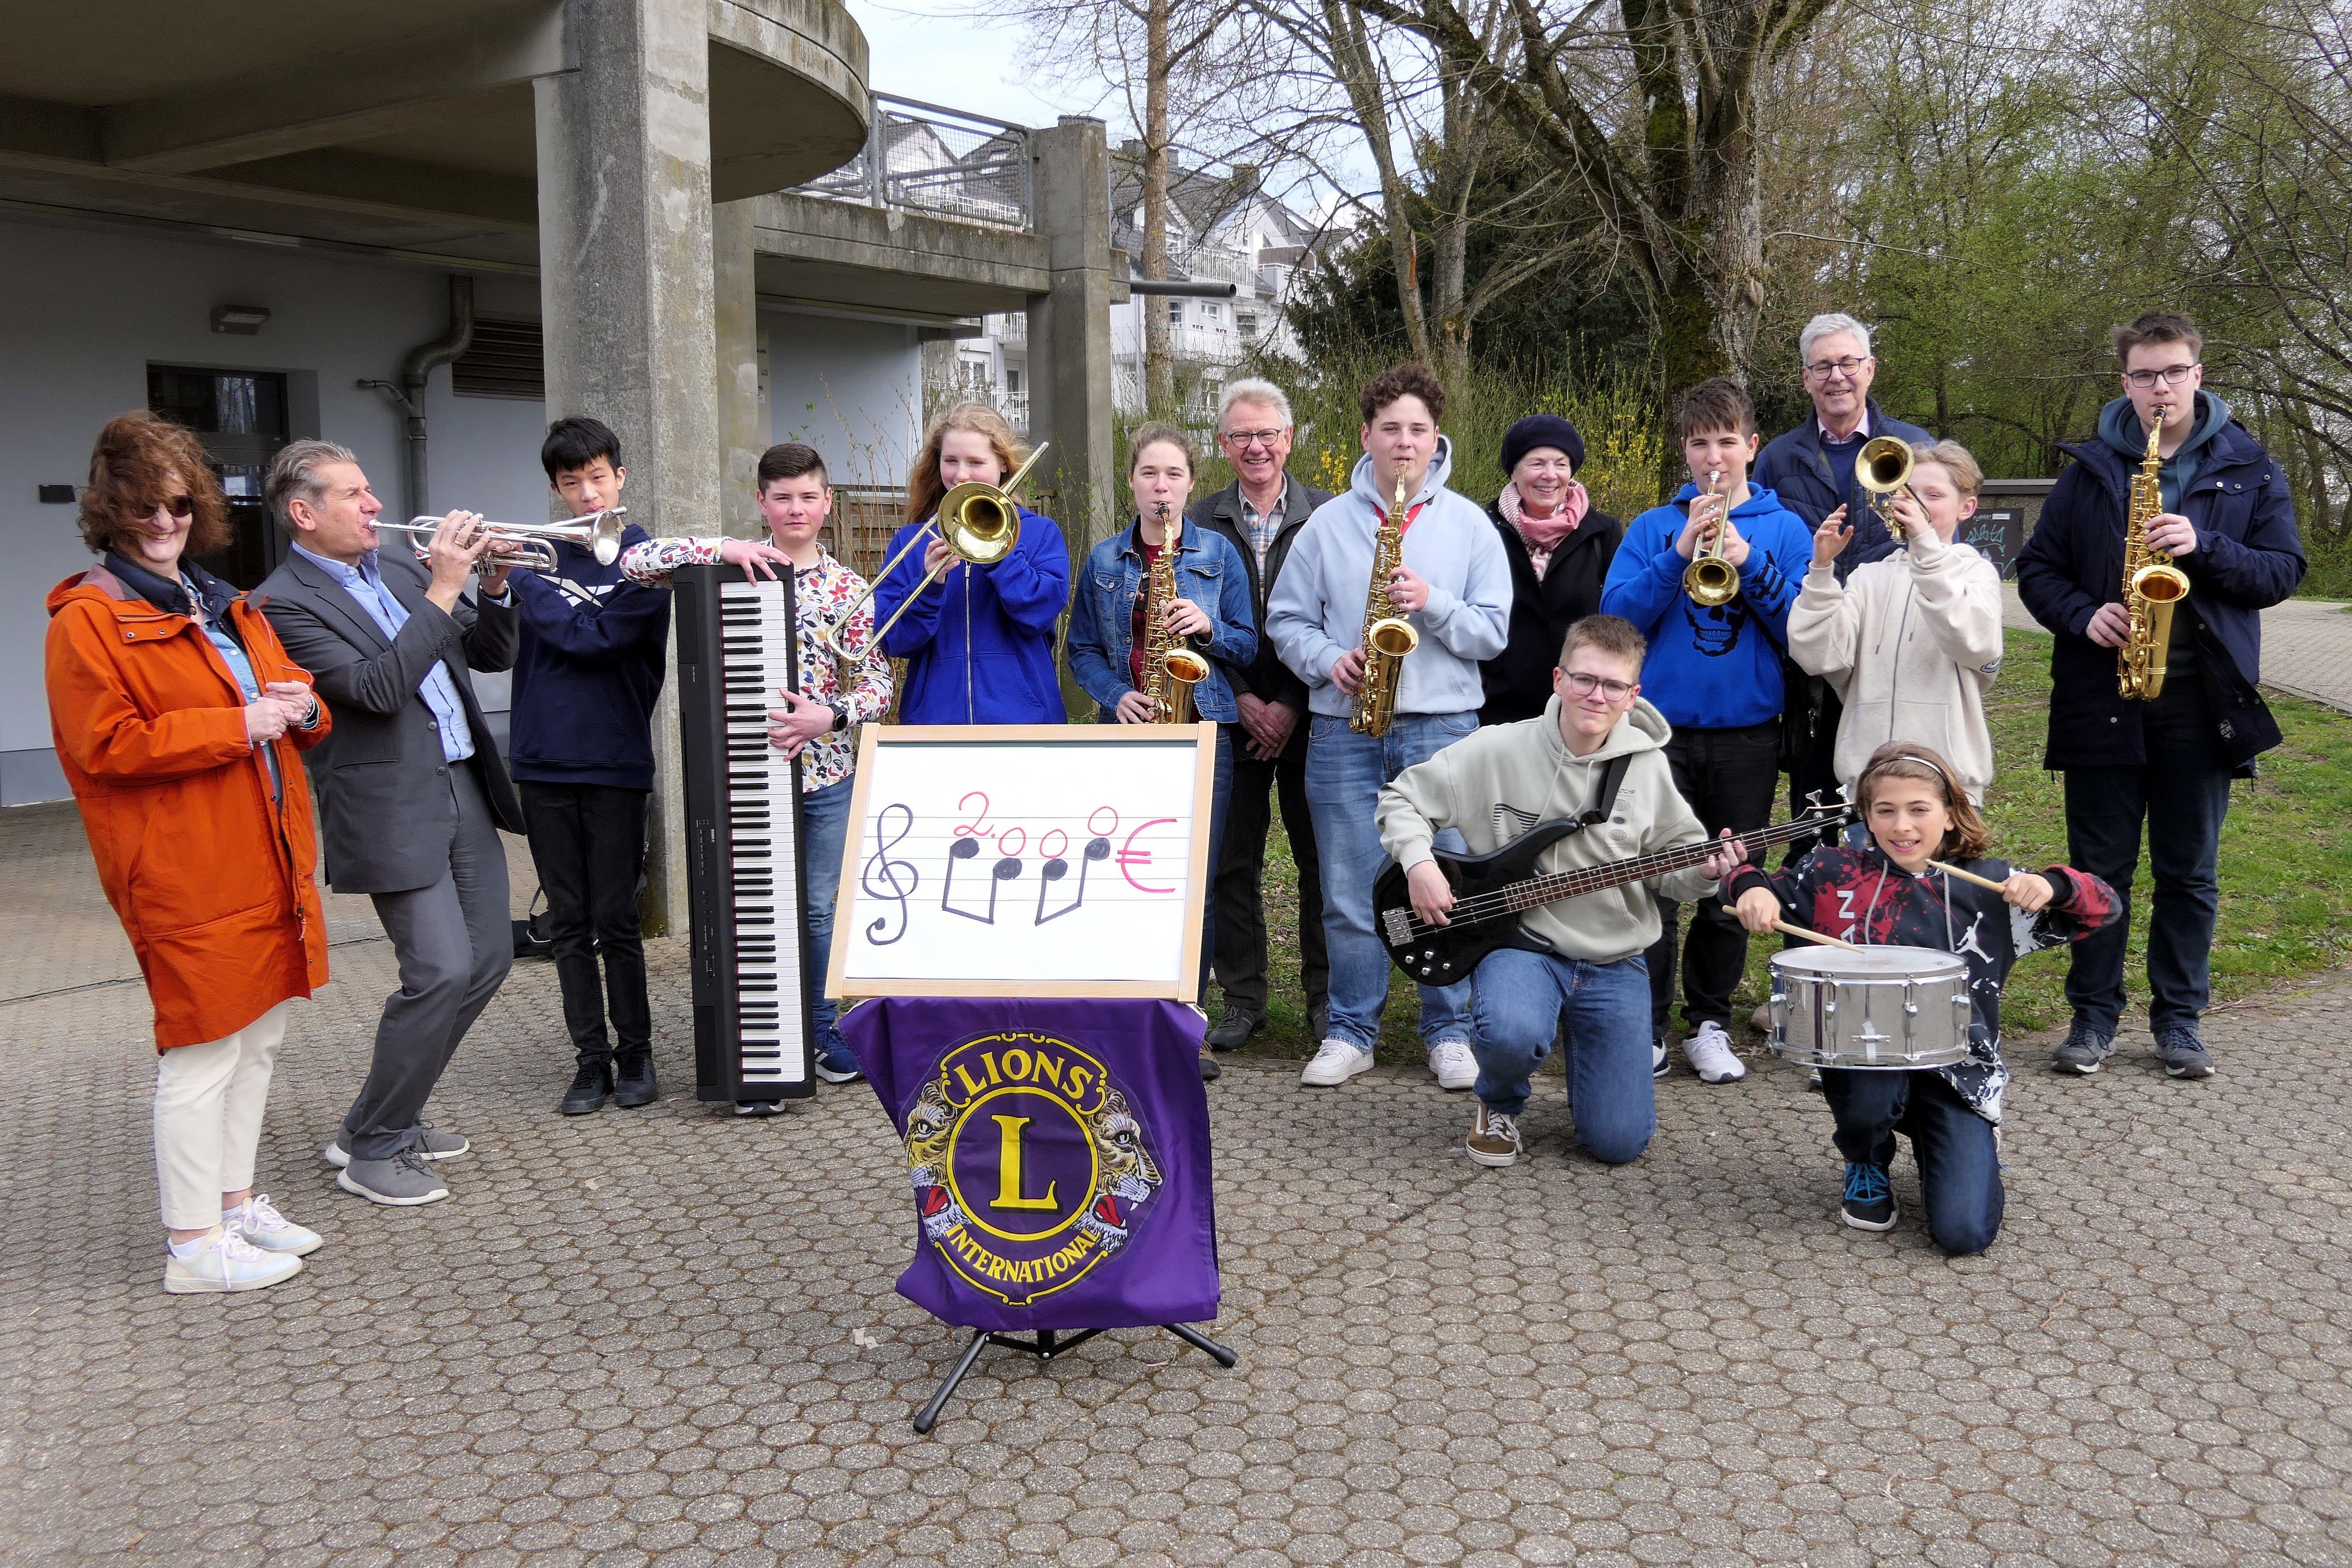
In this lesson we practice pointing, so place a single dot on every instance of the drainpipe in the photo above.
(408, 396)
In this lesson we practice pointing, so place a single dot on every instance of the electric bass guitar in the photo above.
(1491, 891)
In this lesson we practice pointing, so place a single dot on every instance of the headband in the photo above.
(1907, 757)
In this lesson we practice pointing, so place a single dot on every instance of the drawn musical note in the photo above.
(1057, 868)
(891, 888)
(1006, 869)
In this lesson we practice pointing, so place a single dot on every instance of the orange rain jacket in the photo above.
(213, 880)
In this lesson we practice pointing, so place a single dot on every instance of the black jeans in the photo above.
(589, 844)
(1729, 777)
(1240, 886)
(1817, 773)
(2183, 791)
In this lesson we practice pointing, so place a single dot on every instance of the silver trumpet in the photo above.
(526, 545)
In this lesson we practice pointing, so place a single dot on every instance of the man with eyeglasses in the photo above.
(1260, 513)
(2229, 525)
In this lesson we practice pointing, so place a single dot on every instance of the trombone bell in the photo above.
(979, 522)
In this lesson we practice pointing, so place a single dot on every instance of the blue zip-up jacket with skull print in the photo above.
(1709, 669)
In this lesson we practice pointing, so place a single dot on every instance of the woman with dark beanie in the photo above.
(1560, 549)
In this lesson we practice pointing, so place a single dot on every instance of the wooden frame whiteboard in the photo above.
(898, 863)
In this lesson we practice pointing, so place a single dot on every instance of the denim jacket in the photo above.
(1209, 572)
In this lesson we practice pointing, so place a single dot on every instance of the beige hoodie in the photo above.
(1506, 778)
(1911, 644)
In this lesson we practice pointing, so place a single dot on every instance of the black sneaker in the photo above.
(2085, 1051)
(2183, 1053)
(1211, 1070)
(588, 1087)
(1234, 1029)
(634, 1082)
(1869, 1197)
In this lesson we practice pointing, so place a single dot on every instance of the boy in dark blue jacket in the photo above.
(2228, 524)
(1714, 672)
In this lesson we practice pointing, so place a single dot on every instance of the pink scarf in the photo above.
(1543, 534)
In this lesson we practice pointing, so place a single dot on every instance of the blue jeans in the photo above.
(825, 821)
(1959, 1161)
(1524, 998)
(1345, 771)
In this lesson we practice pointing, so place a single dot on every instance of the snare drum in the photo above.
(1890, 1008)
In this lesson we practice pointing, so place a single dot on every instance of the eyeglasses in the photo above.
(179, 506)
(1822, 369)
(1584, 685)
(1242, 440)
(2170, 376)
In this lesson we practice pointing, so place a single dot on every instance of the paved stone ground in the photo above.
(2307, 645)
(668, 1334)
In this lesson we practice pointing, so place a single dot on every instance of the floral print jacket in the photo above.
(860, 688)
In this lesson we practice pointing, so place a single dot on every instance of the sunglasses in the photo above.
(178, 506)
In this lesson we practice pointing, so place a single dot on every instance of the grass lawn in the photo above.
(2286, 872)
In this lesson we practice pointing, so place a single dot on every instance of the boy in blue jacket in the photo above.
(2228, 524)
(1714, 673)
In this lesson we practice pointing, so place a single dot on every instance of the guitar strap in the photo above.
(1604, 798)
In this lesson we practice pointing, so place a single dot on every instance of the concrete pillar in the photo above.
(742, 423)
(1069, 330)
(626, 295)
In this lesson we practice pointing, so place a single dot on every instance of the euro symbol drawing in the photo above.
(1130, 857)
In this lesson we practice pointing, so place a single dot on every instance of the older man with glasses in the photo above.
(1261, 514)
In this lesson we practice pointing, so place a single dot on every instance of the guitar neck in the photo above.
(1545, 890)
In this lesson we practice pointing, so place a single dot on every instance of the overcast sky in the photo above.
(916, 51)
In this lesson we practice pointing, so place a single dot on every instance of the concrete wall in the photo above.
(84, 313)
(851, 389)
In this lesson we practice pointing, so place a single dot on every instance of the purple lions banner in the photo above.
(1059, 1155)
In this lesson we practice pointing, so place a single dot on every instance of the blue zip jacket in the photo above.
(979, 643)
(588, 670)
(1794, 468)
(1706, 670)
(1209, 572)
(2247, 557)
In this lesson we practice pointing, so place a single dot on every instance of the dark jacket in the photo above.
(2247, 557)
(384, 789)
(1102, 618)
(979, 642)
(1519, 679)
(1795, 467)
(1266, 677)
(588, 670)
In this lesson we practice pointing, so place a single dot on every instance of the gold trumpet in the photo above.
(1709, 579)
(979, 522)
(1883, 466)
(526, 545)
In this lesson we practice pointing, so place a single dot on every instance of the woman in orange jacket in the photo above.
(180, 721)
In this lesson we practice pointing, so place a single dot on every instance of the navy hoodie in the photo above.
(588, 667)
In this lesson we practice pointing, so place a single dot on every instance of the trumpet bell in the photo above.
(1884, 464)
(1392, 636)
(1710, 580)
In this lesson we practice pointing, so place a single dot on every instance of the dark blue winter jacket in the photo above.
(588, 667)
(1811, 485)
(1209, 572)
(979, 643)
(2247, 557)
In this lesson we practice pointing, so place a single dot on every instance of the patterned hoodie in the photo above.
(1861, 896)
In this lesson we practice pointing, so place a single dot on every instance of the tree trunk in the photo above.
(1159, 356)
(1359, 71)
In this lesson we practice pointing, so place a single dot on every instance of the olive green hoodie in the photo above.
(1501, 780)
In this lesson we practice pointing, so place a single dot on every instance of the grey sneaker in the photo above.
(2085, 1051)
(2183, 1053)
(431, 1142)
(405, 1180)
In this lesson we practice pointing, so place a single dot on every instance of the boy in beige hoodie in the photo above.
(1911, 642)
(1492, 788)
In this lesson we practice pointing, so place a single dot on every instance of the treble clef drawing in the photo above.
(886, 880)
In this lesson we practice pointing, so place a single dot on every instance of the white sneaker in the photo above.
(225, 1260)
(1661, 1064)
(258, 1220)
(1335, 1063)
(1451, 1062)
(1709, 1054)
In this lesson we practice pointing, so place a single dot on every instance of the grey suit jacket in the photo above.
(383, 786)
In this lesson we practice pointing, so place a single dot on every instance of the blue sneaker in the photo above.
(2085, 1051)
(1869, 1199)
(835, 1065)
(2183, 1053)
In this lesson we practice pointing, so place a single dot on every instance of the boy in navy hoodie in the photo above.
(1714, 673)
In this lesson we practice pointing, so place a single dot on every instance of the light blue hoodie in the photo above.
(1316, 615)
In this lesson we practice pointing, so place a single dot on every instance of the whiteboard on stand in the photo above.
(1025, 860)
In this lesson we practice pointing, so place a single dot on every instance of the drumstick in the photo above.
(1968, 877)
(1785, 929)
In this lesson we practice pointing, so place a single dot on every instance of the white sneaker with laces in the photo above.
(1335, 1063)
(258, 1220)
(222, 1262)
(1709, 1054)
(1451, 1062)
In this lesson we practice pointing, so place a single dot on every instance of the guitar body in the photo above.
(1447, 956)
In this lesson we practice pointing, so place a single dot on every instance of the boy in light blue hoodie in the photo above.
(1714, 672)
(1454, 585)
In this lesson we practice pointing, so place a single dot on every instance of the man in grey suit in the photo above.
(411, 790)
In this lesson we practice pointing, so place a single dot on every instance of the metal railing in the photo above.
(926, 158)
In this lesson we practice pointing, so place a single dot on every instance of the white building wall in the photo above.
(853, 389)
(83, 315)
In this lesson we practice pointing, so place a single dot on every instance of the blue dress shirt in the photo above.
(366, 585)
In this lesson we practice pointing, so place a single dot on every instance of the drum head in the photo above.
(1870, 962)
(1873, 1009)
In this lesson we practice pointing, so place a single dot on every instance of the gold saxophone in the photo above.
(2152, 583)
(1171, 667)
(1388, 636)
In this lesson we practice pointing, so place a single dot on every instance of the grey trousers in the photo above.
(454, 945)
